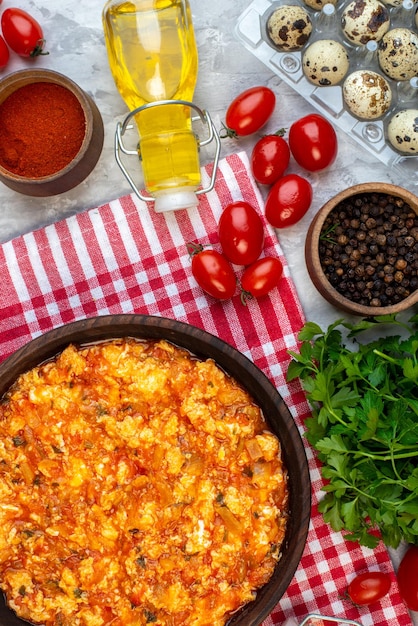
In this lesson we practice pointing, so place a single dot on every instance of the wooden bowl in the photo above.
(203, 345)
(313, 261)
(76, 170)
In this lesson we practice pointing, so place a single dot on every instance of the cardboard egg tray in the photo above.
(328, 100)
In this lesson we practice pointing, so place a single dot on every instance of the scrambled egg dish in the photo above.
(138, 485)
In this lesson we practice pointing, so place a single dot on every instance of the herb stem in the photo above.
(385, 356)
(384, 456)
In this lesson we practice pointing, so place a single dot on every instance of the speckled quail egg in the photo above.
(402, 131)
(289, 27)
(398, 54)
(318, 5)
(325, 62)
(365, 20)
(367, 94)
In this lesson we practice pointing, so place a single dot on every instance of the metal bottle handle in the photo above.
(202, 115)
(313, 617)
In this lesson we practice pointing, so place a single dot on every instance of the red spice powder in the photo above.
(42, 127)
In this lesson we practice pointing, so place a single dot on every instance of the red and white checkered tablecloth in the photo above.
(124, 258)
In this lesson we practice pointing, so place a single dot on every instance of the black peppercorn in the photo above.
(373, 259)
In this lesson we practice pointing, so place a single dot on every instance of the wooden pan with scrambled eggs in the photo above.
(138, 485)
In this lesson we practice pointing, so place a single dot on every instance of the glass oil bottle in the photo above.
(153, 58)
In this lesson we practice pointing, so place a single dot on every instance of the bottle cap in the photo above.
(174, 199)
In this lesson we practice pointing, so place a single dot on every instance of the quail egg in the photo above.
(367, 94)
(365, 20)
(398, 54)
(289, 27)
(325, 62)
(319, 4)
(402, 131)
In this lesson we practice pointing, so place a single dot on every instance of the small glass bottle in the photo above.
(153, 58)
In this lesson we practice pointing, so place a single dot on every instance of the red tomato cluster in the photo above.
(241, 235)
(312, 143)
(21, 33)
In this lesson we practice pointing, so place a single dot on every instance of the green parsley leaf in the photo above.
(363, 393)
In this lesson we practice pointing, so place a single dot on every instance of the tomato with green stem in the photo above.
(241, 233)
(261, 277)
(212, 272)
(270, 158)
(368, 588)
(22, 32)
(249, 112)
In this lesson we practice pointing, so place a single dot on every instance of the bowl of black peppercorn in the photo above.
(361, 249)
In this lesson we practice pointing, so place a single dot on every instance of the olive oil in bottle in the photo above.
(153, 58)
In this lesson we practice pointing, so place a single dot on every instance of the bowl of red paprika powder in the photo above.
(51, 133)
(361, 249)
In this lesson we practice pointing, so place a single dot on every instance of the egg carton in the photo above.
(251, 31)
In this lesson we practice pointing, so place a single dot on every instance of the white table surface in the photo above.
(74, 39)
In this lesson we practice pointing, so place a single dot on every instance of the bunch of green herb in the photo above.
(364, 424)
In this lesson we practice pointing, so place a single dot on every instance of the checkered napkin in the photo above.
(124, 258)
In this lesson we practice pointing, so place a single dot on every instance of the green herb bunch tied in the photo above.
(364, 424)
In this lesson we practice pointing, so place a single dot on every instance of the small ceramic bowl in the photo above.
(53, 134)
(357, 261)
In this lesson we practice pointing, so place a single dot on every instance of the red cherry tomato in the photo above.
(288, 200)
(22, 32)
(269, 159)
(368, 588)
(241, 233)
(313, 142)
(249, 111)
(261, 277)
(408, 578)
(4, 53)
(212, 272)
